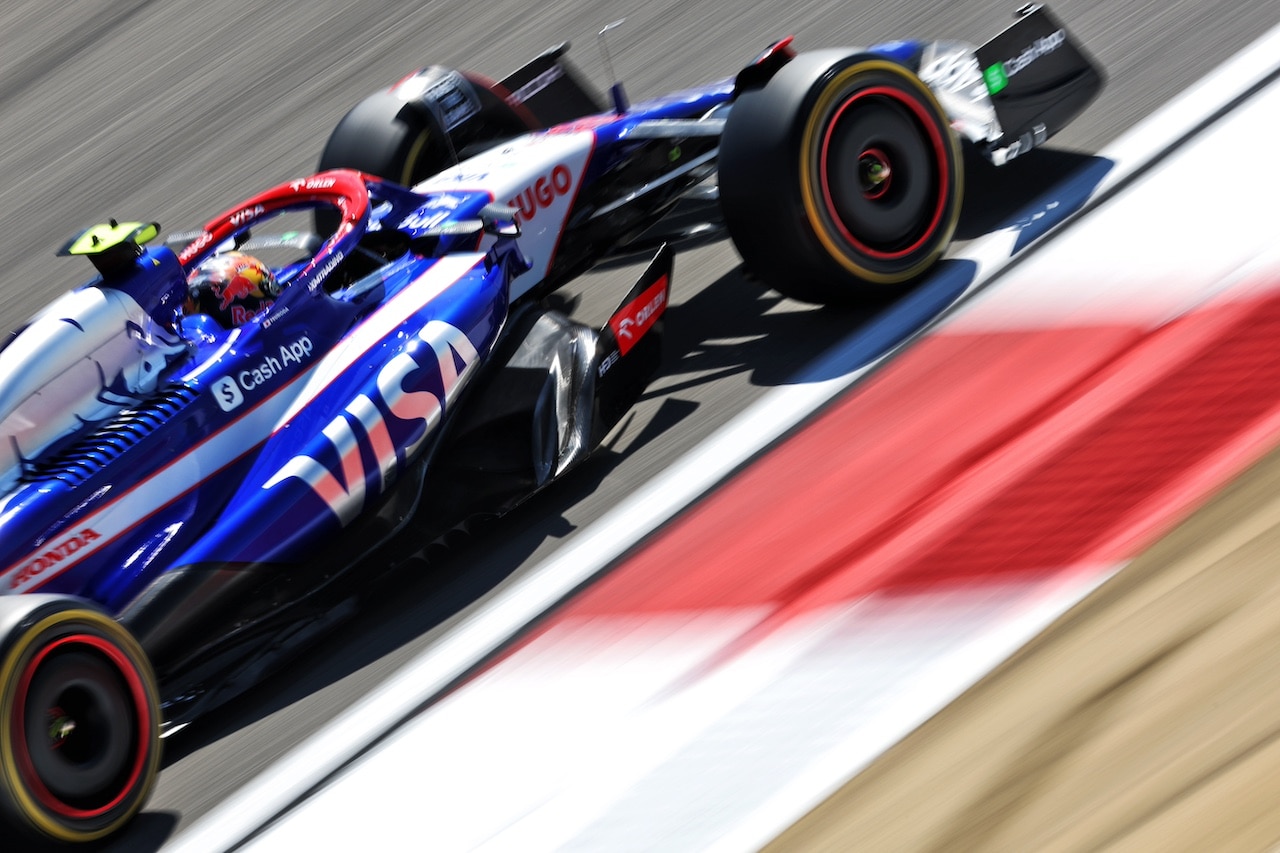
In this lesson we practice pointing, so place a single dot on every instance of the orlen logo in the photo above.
(413, 408)
(51, 558)
(638, 316)
(311, 184)
(543, 191)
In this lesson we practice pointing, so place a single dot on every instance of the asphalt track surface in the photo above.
(175, 110)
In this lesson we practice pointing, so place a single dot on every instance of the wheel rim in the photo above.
(80, 724)
(883, 173)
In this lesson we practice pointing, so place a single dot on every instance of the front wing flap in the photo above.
(1039, 80)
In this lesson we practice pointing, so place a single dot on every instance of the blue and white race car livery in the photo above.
(204, 455)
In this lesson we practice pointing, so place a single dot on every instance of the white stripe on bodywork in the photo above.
(441, 276)
(522, 171)
(89, 354)
(218, 450)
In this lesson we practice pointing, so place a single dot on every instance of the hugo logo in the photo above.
(543, 191)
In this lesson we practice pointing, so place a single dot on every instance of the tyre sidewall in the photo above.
(25, 640)
(389, 137)
(771, 179)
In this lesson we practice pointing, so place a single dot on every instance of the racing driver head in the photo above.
(231, 288)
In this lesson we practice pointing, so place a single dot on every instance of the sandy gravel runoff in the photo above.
(1147, 718)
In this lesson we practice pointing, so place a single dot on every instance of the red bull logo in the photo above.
(241, 315)
(237, 289)
(246, 283)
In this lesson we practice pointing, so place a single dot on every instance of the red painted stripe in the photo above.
(973, 458)
(143, 722)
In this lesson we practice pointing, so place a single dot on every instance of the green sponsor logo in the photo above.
(996, 78)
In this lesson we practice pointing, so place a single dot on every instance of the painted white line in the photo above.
(585, 741)
(490, 625)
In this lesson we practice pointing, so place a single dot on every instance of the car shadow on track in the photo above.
(148, 832)
(999, 197)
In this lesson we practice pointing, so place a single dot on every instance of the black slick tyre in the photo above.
(80, 743)
(390, 138)
(840, 178)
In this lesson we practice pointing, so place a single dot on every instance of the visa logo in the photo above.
(361, 427)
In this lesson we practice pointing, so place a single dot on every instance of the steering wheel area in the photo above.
(341, 188)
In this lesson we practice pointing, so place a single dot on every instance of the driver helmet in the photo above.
(231, 287)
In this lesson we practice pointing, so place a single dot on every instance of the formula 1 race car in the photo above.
(837, 173)
(205, 456)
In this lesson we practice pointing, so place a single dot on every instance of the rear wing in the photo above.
(1039, 79)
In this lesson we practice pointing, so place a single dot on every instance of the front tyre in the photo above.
(389, 137)
(840, 179)
(80, 745)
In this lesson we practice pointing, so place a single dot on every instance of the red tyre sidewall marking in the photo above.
(939, 150)
(139, 693)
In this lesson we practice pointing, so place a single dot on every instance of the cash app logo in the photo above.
(996, 78)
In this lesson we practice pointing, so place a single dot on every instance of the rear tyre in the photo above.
(840, 179)
(80, 744)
